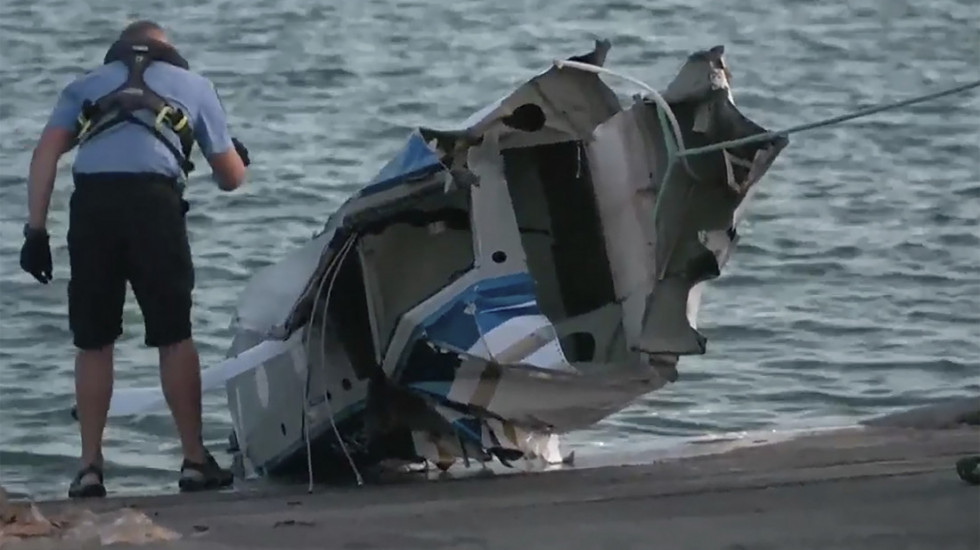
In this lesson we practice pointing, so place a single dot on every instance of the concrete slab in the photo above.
(874, 487)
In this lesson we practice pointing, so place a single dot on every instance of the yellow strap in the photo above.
(181, 123)
(86, 124)
(162, 115)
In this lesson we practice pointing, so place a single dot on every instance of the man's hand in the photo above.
(241, 150)
(35, 255)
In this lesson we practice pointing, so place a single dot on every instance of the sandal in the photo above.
(88, 483)
(200, 477)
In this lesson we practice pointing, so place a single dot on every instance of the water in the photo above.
(854, 291)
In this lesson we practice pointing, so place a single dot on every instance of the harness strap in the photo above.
(119, 105)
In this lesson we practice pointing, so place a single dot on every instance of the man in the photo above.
(126, 223)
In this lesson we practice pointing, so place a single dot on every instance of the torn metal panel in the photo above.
(692, 230)
(695, 219)
(270, 295)
(573, 103)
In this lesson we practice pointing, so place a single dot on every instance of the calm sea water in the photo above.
(855, 290)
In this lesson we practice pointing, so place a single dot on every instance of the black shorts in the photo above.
(128, 227)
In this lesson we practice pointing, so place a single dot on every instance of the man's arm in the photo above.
(211, 131)
(57, 138)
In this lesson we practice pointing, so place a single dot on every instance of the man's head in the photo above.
(143, 30)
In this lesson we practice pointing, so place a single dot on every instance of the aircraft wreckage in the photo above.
(527, 274)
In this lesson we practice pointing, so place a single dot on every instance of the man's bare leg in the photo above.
(93, 392)
(180, 375)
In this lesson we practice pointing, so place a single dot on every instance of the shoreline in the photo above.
(889, 481)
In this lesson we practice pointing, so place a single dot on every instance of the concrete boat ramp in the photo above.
(888, 484)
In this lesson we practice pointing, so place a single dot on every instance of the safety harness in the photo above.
(119, 105)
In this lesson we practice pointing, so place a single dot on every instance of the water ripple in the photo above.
(854, 291)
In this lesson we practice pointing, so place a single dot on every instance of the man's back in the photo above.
(131, 147)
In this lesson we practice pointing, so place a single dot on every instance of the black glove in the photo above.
(35, 255)
(241, 150)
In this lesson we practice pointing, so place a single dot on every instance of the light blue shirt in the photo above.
(129, 147)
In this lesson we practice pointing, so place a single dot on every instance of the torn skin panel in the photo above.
(537, 398)
(695, 216)
(626, 158)
(582, 84)
(703, 72)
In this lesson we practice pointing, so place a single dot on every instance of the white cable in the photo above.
(306, 397)
(306, 436)
(657, 98)
(348, 246)
(306, 347)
